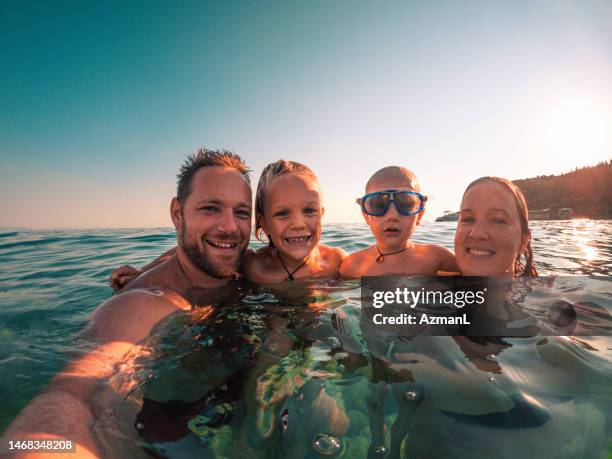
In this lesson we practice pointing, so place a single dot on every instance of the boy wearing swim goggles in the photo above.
(393, 206)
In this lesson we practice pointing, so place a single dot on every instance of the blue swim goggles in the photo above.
(405, 202)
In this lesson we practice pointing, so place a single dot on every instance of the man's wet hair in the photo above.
(207, 158)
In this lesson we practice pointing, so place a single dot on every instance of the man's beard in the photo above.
(203, 261)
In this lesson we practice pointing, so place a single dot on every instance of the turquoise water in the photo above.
(301, 380)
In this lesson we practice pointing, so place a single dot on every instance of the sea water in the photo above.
(290, 372)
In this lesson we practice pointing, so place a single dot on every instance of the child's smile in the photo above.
(293, 215)
(298, 239)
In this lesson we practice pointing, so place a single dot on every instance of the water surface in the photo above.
(50, 281)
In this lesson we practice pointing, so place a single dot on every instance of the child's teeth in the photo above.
(479, 252)
(297, 239)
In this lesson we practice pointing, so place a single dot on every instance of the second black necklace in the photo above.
(381, 256)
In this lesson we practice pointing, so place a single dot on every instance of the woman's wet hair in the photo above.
(520, 269)
(280, 167)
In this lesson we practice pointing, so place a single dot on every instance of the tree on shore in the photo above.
(586, 190)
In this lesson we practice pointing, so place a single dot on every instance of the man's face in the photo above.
(214, 221)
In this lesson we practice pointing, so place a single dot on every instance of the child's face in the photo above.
(292, 214)
(392, 230)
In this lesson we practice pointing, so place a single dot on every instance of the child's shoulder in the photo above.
(441, 258)
(433, 249)
(359, 255)
(352, 264)
(254, 261)
(332, 253)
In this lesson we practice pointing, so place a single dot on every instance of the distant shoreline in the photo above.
(579, 194)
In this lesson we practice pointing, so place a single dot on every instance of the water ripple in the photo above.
(50, 281)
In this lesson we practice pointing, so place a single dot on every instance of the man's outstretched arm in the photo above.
(63, 408)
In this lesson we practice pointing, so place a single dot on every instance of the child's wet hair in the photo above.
(280, 167)
(397, 173)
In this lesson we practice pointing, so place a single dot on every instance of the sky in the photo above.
(100, 102)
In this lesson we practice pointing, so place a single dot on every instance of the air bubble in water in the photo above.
(411, 395)
(492, 379)
(334, 342)
(284, 421)
(327, 445)
(139, 425)
(380, 450)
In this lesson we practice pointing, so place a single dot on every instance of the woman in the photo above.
(482, 396)
(493, 232)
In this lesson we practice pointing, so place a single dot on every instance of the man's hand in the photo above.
(66, 408)
(123, 276)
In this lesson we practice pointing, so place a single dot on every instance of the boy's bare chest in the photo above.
(404, 265)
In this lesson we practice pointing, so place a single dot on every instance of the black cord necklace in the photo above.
(381, 256)
(290, 273)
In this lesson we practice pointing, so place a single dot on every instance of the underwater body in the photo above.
(292, 372)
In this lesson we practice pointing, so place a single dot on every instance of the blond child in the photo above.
(393, 206)
(288, 211)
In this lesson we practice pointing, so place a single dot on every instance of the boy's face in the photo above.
(391, 230)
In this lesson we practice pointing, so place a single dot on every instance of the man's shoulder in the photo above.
(131, 315)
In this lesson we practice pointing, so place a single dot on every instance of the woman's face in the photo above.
(292, 214)
(489, 235)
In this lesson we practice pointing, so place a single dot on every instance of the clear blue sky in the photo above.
(101, 101)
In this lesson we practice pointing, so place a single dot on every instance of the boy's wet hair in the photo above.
(280, 167)
(395, 173)
(520, 269)
(207, 158)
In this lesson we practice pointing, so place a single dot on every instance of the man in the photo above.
(212, 216)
